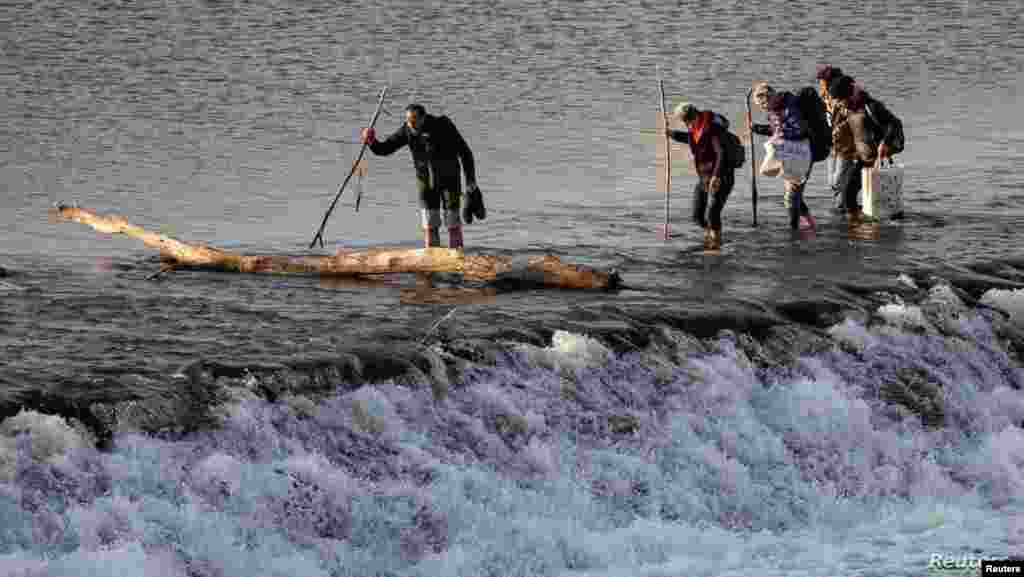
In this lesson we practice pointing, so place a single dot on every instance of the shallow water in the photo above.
(354, 427)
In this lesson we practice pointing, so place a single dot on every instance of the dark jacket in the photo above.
(784, 119)
(437, 146)
(881, 120)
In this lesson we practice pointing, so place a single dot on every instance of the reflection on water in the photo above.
(866, 231)
(370, 281)
(429, 292)
(416, 289)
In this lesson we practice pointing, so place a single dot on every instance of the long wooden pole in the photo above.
(320, 233)
(546, 270)
(753, 159)
(668, 151)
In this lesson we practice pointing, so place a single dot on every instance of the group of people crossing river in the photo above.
(837, 118)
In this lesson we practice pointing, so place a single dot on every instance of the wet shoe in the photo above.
(716, 239)
(855, 218)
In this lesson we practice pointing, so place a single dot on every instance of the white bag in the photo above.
(882, 186)
(770, 166)
(790, 158)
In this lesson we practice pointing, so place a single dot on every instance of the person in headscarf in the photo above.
(789, 149)
(825, 74)
(851, 142)
(715, 174)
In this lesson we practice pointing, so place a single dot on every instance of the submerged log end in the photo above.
(61, 211)
(572, 276)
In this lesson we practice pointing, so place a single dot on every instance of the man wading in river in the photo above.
(437, 149)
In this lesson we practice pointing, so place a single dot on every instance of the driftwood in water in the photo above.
(547, 270)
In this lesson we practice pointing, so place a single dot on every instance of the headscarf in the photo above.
(685, 112)
(700, 124)
(827, 72)
(763, 93)
(846, 89)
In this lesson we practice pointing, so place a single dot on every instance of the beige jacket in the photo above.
(850, 135)
(843, 146)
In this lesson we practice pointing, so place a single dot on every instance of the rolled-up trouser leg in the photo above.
(455, 237)
(728, 180)
(449, 185)
(430, 210)
(452, 219)
(452, 209)
(431, 236)
(700, 202)
(793, 200)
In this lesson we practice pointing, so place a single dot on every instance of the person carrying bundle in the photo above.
(799, 136)
(437, 148)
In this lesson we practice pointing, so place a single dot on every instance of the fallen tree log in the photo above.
(547, 270)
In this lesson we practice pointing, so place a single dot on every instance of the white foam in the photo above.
(109, 523)
(1009, 301)
(569, 352)
(50, 439)
(854, 334)
(219, 472)
(540, 456)
(494, 400)
(732, 473)
(1000, 464)
(906, 280)
(315, 468)
(904, 316)
(1005, 407)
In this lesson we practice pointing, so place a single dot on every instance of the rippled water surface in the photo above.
(232, 123)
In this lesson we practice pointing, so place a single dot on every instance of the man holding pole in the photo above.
(438, 151)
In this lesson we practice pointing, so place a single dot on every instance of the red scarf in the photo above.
(700, 125)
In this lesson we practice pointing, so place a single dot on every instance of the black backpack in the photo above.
(818, 131)
(735, 152)
(885, 122)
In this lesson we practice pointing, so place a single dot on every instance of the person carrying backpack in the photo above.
(715, 160)
(789, 148)
(886, 128)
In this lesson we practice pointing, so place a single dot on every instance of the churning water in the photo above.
(842, 404)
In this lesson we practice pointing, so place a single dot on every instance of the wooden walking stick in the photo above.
(668, 151)
(320, 233)
(753, 160)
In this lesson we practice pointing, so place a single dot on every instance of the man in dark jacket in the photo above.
(438, 151)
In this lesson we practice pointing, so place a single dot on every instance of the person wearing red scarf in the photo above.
(716, 177)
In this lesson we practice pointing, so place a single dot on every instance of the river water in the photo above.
(843, 403)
